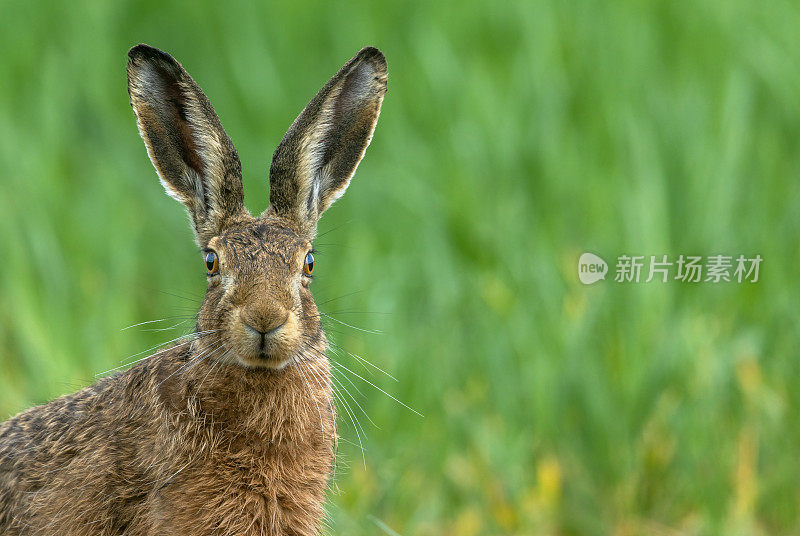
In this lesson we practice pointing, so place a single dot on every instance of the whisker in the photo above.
(213, 366)
(197, 299)
(168, 328)
(197, 334)
(350, 382)
(354, 420)
(208, 353)
(363, 360)
(373, 331)
(335, 228)
(349, 313)
(193, 359)
(337, 387)
(317, 375)
(322, 383)
(341, 385)
(378, 388)
(340, 297)
(143, 323)
(311, 394)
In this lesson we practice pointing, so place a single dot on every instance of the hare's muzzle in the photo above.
(267, 337)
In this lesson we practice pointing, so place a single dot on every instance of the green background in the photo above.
(514, 137)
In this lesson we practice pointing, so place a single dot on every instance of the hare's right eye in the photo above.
(212, 263)
(308, 265)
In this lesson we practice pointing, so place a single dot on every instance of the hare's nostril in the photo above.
(279, 326)
(265, 326)
(251, 329)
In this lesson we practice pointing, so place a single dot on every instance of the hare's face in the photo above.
(258, 301)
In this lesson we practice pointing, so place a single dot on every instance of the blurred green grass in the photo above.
(514, 137)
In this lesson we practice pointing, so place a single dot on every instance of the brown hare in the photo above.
(232, 430)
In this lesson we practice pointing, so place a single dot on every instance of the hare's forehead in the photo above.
(261, 239)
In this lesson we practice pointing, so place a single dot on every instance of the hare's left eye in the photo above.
(212, 263)
(308, 266)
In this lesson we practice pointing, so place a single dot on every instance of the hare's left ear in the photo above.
(194, 157)
(313, 164)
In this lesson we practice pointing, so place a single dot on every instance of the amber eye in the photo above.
(308, 267)
(212, 263)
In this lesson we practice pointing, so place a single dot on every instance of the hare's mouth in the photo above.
(272, 348)
(264, 360)
(274, 356)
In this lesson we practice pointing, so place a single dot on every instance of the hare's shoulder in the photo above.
(50, 422)
(87, 421)
(81, 460)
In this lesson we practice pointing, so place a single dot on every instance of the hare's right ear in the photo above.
(194, 157)
(313, 164)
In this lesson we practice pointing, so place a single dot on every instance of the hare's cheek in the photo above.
(311, 322)
(227, 283)
(214, 282)
(307, 301)
(213, 302)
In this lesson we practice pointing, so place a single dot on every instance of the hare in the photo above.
(232, 430)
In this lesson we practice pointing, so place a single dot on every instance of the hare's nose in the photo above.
(265, 322)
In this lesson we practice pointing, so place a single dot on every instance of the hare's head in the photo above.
(258, 300)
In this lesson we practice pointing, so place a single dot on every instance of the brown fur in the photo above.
(230, 431)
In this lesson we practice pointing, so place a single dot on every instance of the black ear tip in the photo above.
(374, 56)
(148, 53)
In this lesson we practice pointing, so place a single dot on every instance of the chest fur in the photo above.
(252, 465)
(275, 489)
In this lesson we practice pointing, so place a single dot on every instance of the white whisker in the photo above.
(373, 331)
(197, 335)
(378, 388)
